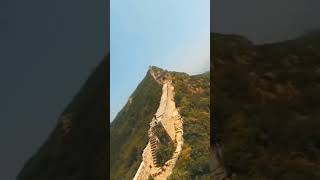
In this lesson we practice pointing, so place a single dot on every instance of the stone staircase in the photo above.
(167, 116)
(154, 146)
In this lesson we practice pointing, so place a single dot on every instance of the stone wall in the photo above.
(172, 122)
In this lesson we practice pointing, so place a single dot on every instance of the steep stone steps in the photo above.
(154, 146)
(166, 112)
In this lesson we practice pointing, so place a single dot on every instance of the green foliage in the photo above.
(192, 97)
(267, 109)
(164, 153)
(166, 146)
(162, 134)
(129, 129)
(128, 132)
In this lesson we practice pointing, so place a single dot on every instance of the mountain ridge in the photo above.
(74, 149)
(183, 94)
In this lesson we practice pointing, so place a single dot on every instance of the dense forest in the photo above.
(193, 100)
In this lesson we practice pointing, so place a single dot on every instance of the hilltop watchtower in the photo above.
(164, 76)
(160, 75)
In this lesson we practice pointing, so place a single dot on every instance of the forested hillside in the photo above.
(129, 129)
(193, 100)
(266, 105)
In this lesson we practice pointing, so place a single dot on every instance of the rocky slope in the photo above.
(77, 148)
(266, 106)
(192, 100)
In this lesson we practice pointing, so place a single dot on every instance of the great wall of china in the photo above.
(168, 115)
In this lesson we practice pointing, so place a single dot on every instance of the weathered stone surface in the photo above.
(171, 120)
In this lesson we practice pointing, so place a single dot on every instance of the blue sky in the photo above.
(171, 34)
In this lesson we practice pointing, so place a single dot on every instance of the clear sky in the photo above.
(171, 34)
